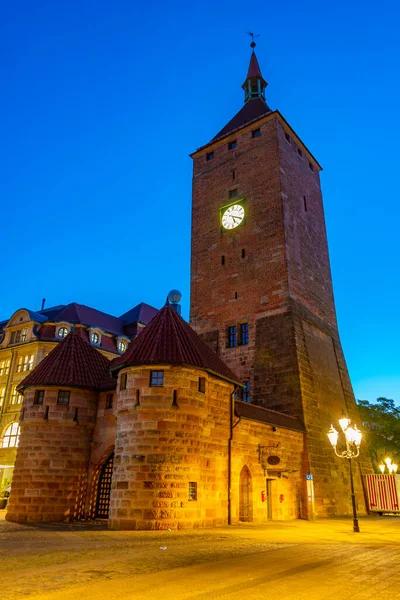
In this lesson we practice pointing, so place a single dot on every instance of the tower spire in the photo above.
(255, 84)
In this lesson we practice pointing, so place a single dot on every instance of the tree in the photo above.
(381, 424)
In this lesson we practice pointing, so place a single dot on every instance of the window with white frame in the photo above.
(11, 436)
(18, 336)
(16, 397)
(62, 332)
(25, 363)
(121, 345)
(5, 367)
(95, 338)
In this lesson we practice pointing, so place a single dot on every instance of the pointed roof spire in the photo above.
(169, 340)
(255, 84)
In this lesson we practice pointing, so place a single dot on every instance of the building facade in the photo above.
(222, 422)
(28, 336)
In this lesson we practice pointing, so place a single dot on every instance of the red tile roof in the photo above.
(251, 111)
(169, 340)
(73, 363)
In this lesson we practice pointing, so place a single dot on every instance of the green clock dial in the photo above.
(233, 216)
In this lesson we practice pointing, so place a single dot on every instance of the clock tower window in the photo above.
(232, 337)
(244, 334)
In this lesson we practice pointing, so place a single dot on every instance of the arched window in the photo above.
(11, 436)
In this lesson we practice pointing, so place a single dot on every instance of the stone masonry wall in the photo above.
(253, 444)
(50, 474)
(163, 443)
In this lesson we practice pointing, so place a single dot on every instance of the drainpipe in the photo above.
(231, 428)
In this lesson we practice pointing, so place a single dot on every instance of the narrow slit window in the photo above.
(122, 384)
(236, 295)
(202, 385)
(287, 136)
(243, 253)
(311, 166)
(109, 400)
(192, 492)
(300, 152)
(222, 260)
(233, 174)
(305, 203)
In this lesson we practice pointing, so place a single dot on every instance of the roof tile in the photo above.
(169, 340)
(73, 363)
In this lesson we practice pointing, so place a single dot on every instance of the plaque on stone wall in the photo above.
(273, 460)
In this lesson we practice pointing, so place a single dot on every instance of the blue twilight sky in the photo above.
(102, 102)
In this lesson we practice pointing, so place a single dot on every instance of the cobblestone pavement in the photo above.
(299, 560)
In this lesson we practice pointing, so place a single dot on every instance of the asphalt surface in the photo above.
(322, 560)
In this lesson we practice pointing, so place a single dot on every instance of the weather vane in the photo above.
(253, 35)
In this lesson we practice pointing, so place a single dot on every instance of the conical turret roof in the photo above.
(169, 340)
(73, 363)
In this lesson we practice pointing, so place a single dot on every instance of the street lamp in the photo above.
(353, 440)
(392, 467)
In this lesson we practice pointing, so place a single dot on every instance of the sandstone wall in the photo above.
(50, 474)
(168, 437)
(254, 444)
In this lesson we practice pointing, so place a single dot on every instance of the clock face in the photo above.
(233, 216)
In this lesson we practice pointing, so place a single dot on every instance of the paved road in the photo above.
(292, 560)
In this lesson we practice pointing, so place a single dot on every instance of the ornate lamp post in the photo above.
(392, 467)
(353, 441)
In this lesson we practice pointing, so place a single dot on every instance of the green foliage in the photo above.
(4, 485)
(381, 424)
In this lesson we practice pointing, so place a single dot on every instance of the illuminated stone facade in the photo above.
(227, 426)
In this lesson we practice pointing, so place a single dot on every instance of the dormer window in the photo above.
(62, 332)
(18, 336)
(121, 345)
(95, 335)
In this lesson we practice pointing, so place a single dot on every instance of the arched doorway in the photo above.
(245, 496)
(104, 489)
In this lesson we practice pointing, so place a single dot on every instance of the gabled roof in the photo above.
(72, 363)
(251, 111)
(142, 313)
(169, 340)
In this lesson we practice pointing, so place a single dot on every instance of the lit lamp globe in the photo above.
(174, 296)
